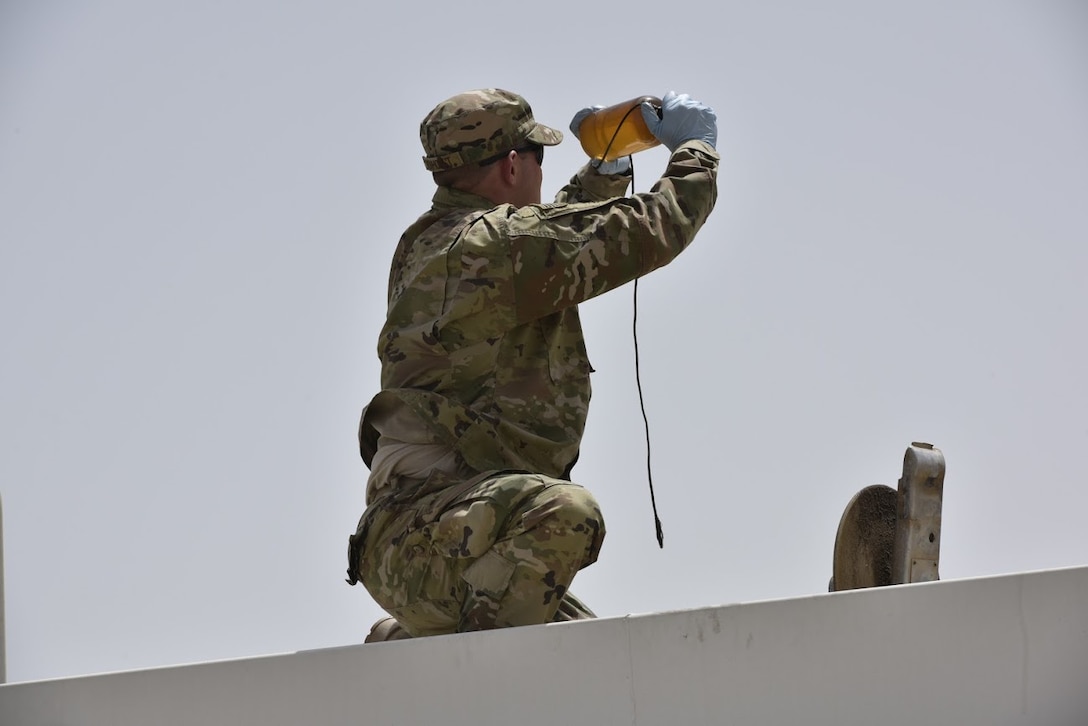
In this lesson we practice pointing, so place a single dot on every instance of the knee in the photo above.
(575, 511)
(581, 506)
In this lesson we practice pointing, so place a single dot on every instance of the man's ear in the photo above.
(509, 167)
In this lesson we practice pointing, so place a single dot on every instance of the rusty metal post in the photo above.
(917, 548)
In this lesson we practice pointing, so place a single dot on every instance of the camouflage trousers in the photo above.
(492, 552)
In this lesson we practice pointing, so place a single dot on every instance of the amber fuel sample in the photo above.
(618, 130)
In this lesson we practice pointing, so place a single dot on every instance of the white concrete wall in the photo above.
(993, 651)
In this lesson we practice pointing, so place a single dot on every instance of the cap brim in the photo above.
(545, 135)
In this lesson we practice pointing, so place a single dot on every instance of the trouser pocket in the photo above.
(488, 579)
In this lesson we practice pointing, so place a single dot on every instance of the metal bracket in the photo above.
(917, 549)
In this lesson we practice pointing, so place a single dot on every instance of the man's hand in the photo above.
(682, 119)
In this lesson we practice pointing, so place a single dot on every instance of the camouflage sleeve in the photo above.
(564, 254)
(514, 265)
(589, 185)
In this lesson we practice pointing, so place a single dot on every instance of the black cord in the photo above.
(645, 419)
(608, 147)
(634, 334)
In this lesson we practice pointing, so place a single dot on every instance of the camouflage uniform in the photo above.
(483, 351)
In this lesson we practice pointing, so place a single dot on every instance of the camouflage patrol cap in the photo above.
(477, 125)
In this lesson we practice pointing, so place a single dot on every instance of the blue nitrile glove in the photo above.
(621, 165)
(682, 119)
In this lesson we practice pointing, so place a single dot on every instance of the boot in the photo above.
(571, 608)
(386, 629)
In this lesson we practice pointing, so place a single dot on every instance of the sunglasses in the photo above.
(536, 149)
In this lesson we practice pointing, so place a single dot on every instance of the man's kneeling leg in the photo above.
(503, 554)
(553, 528)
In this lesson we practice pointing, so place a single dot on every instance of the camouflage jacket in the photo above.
(482, 339)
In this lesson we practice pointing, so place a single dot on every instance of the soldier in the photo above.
(472, 521)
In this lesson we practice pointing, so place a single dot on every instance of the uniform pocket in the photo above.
(465, 530)
(560, 222)
(489, 577)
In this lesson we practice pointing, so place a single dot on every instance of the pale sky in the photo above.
(199, 200)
